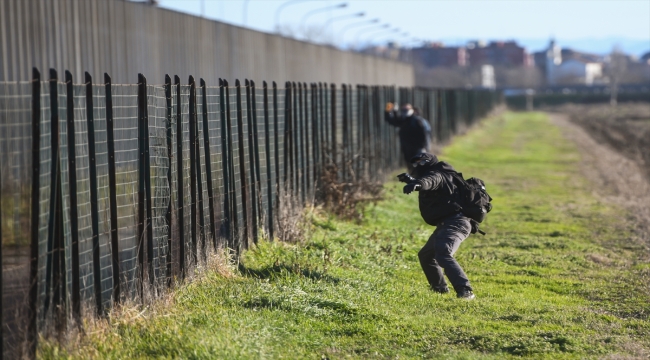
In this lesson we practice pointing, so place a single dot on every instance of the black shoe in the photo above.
(442, 290)
(466, 294)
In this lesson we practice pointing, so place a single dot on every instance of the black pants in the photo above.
(438, 254)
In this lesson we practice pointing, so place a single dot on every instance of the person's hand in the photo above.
(389, 106)
(474, 225)
(405, 178)
(410, 187)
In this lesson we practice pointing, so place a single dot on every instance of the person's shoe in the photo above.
(442, 290)
(466, 295)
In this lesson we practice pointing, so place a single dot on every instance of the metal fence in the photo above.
(110, 192)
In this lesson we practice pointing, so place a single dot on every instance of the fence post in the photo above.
(380, 161)
(168, 213)
(460, 106)
(193, 170)
(451, 111)
(35, 217)
(180, 216)
(141, 211)
(383, 99)
(440, 120)
(225, 162)
(208, 163)
(397, 93)
(447, 112)
(362, 153)
(350, 137)
(144, 193)
(470, 106)
(379, 123)
(276, 140)
(374, 165)
(471, 103)
(386, 128)
(94, 198)
(288, 139)
(304, 145)
(345, 134)
(314, 137)
(322, 122)
(242, 166)
(376, 118)
(72, 185)
(231, 160)
(147, 182)
(369, 141)
(269, 166)
(357, 152)
(54, 144)
(333, 120)
(367, 138)
(296, 138)
(251, 158)
(2, 339)
(258, 176)
(198, 178)
(454, 110)
(427, 112)
(55, 240)
(112, 189)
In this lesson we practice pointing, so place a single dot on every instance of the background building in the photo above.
(476, 64)
(576, 71)
(498, 53)
(436, 54)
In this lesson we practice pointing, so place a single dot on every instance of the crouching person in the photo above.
(440, 202)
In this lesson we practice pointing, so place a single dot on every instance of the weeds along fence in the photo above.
(115, 191)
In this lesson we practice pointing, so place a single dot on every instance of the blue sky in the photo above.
(588, 25)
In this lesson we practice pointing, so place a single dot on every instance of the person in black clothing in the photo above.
(438, 207)
(414, 131)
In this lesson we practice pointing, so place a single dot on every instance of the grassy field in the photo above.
(557, 276)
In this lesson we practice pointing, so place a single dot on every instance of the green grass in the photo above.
(557, 276)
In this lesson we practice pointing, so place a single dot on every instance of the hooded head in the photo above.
(406, 110)
(423, 161)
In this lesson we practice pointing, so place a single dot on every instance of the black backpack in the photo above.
(472, 197)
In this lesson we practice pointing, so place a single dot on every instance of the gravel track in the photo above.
(616, 178)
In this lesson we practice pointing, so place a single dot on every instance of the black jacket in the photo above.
(438, 193)
(414, 133)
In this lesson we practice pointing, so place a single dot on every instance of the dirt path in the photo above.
(616, 178)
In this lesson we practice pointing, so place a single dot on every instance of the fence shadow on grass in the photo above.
(277, 271)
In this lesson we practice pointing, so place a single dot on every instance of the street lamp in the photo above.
(342, 17)
(372, 28)
(320, 10)
(338, 18)
(279, 10)
(357, 24)
(372, 39)
(393, 38)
